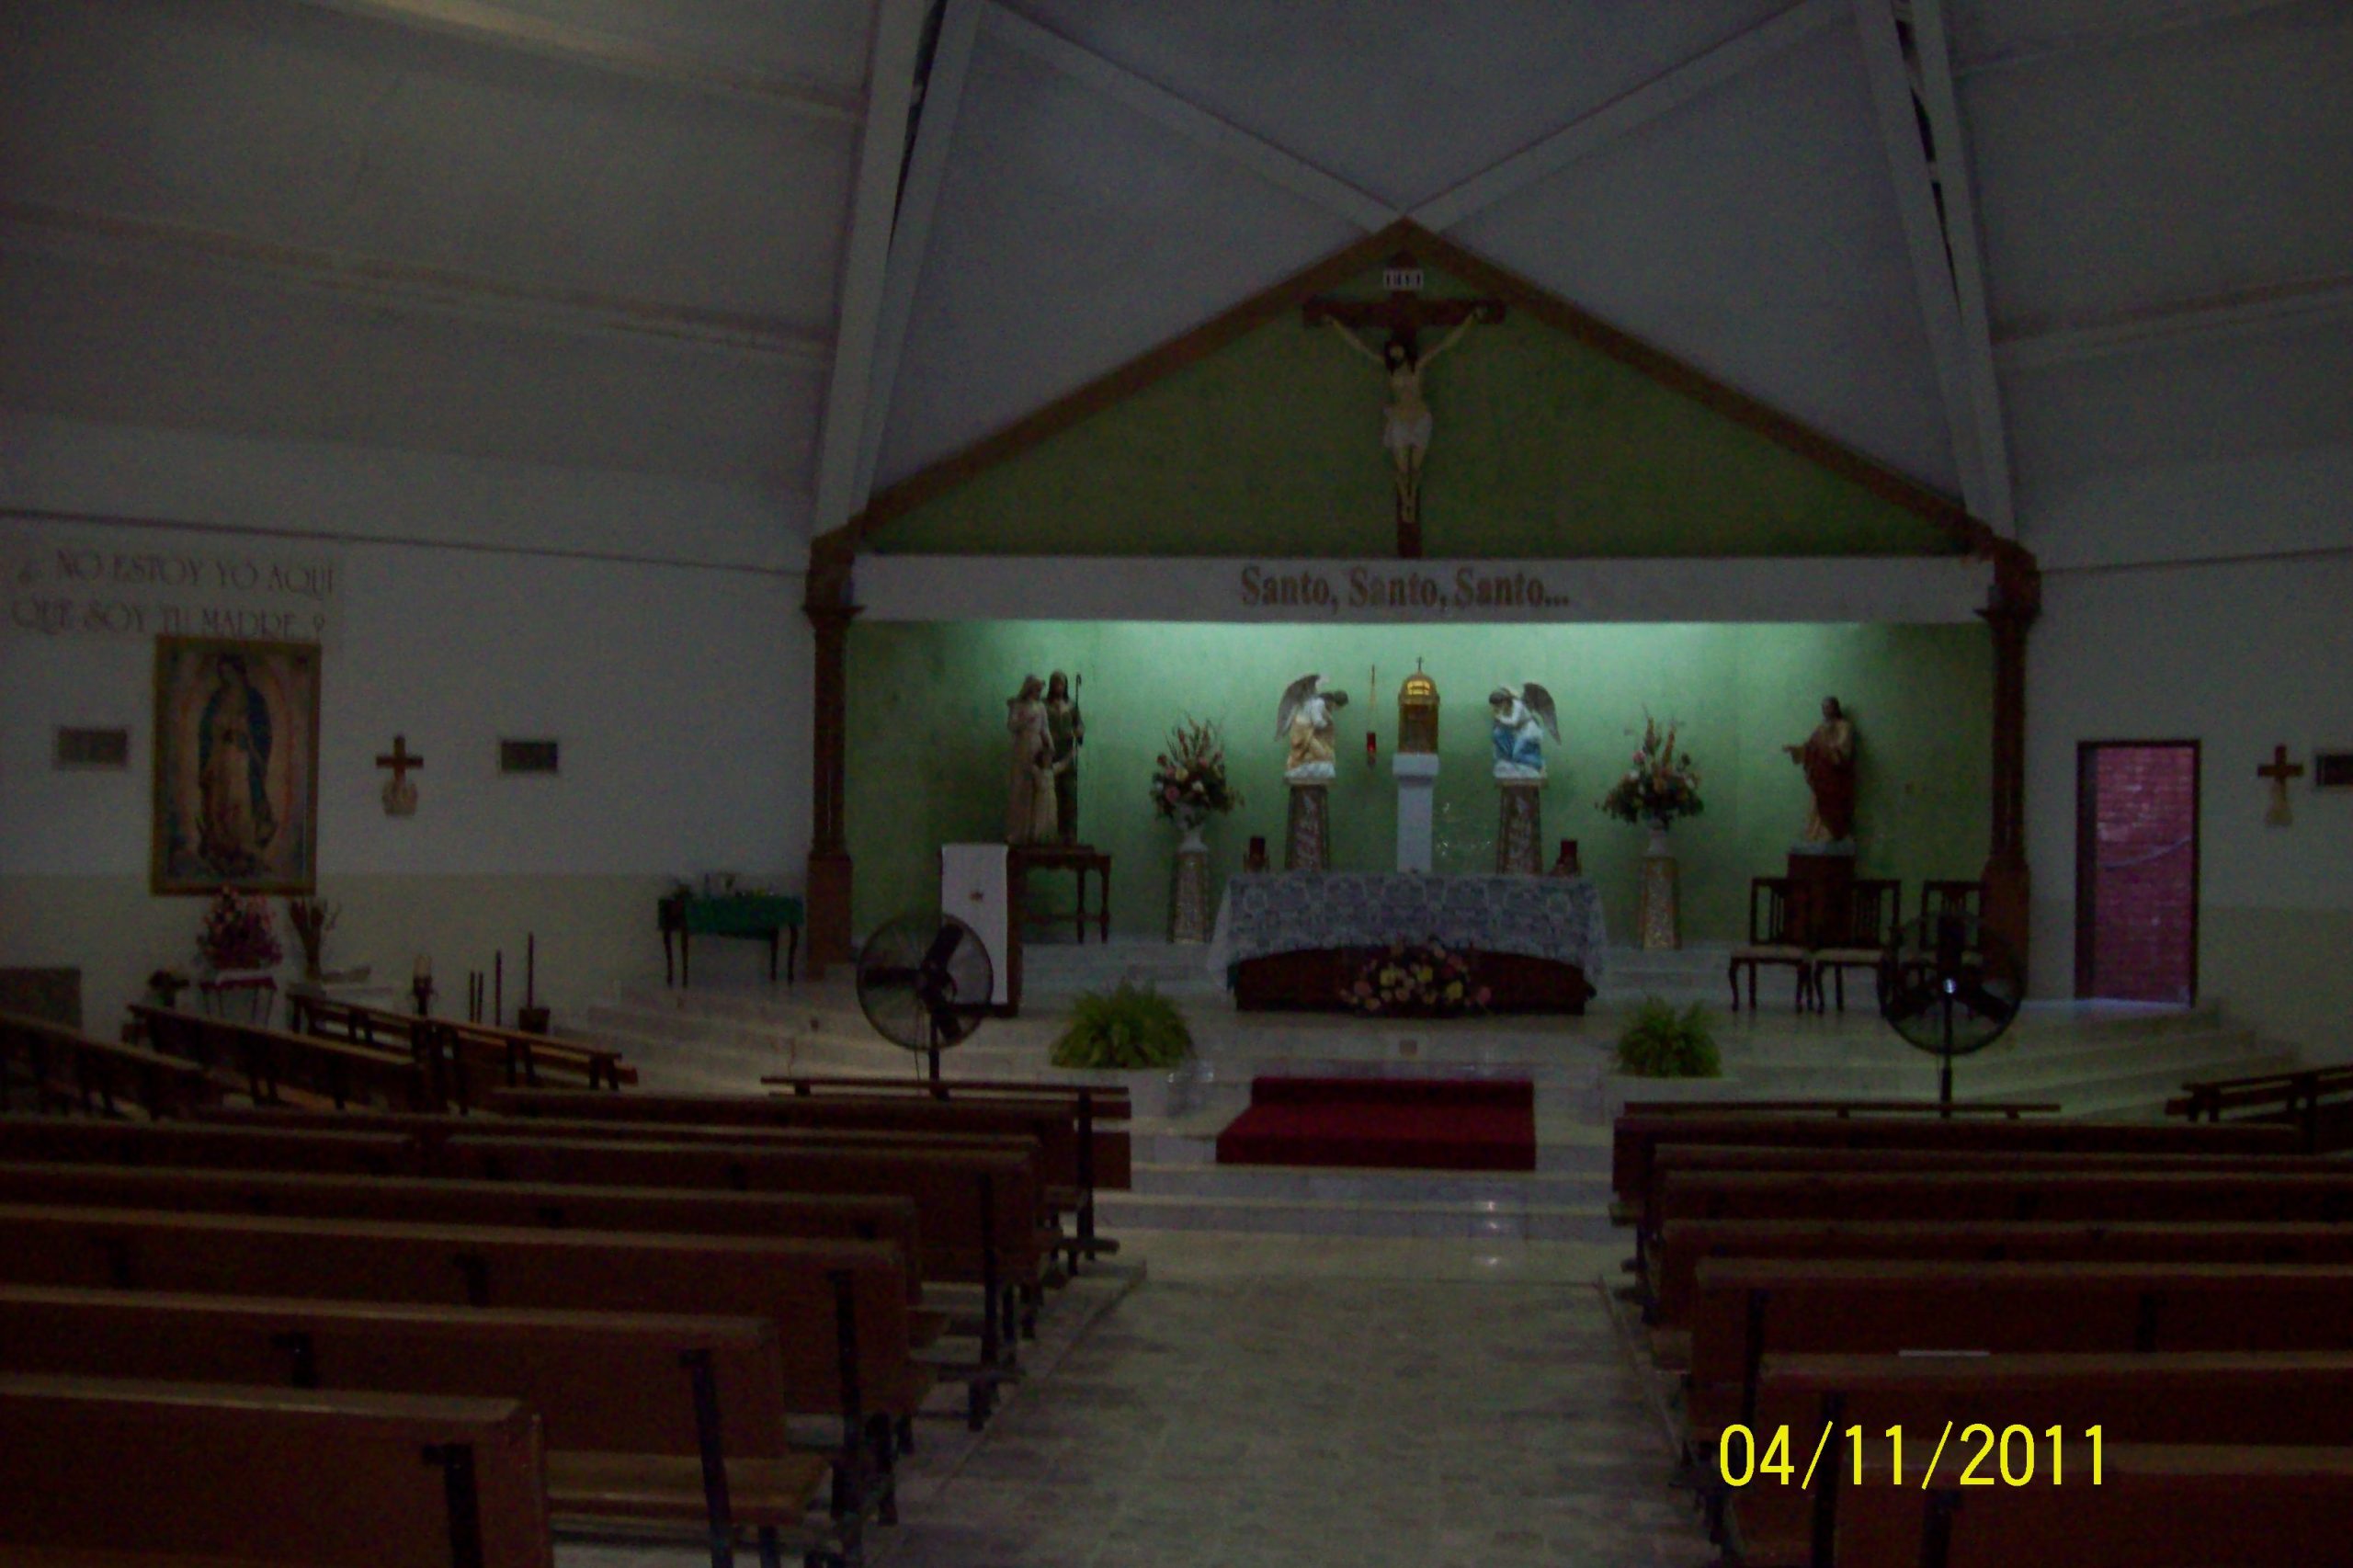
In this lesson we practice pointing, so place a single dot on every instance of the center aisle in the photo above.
(1310, 1402)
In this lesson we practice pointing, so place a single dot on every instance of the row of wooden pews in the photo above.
(704, 1314)
(1999, 1340)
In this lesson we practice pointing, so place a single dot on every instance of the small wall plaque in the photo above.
(2333, 770)
(527, 757)
(92, 750)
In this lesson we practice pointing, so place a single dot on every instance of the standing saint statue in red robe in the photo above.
(1828, 758)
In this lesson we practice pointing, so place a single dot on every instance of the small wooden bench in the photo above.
(659, 1417)
(2316, 1101)
(179, 1143)
(513, 1056)
(277, 1066)
(841, 1307)
(298, 1478)
(1747, 1309)
(68, 1069)
(1635, 1138)
(2258, 1399)
(2157, 1506)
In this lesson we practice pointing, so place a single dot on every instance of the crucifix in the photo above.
(2280, 770)
(1405, 428)
(400, 795)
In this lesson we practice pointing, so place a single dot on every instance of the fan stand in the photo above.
(1944, 1059)
(931, 1046)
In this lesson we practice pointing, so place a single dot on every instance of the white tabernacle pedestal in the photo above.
(1417, 782)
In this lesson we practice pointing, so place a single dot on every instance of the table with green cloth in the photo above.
(772, 917)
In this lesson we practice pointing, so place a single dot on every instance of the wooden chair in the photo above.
(1770, 941)
(1950, 897)
(1870, 920)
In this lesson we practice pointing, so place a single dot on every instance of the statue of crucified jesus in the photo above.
(1406, 422)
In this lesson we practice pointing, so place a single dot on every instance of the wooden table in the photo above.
(754, 916)
(1079, 859)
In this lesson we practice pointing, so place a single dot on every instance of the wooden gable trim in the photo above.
(831, 552)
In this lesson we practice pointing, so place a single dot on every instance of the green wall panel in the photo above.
(1544, 447)
(927, 750)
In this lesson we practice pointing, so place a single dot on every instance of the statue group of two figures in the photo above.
(1047, 729)
(1522, 719)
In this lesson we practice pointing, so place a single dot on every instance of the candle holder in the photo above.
(422, 989)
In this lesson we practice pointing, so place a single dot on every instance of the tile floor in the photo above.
(1312, 1403)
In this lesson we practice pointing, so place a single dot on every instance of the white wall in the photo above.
(2241, 655)
(680, 693)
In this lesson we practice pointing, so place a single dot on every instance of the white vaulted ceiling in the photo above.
(623, 233)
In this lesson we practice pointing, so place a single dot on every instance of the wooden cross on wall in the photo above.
(2280, 770)
(400, 795)
(1402, 316)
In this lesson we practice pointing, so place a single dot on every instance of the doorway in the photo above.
(2136, 871)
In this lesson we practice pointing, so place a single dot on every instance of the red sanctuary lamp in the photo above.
(1371, 747)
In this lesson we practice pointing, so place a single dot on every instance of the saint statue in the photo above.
(235, 824)
(1524, 716)
(1828, 757)
(1407, 425)
(1304, 722)
(1066, 727)
(1029, 807)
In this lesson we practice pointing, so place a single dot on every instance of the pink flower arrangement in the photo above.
(1659, 783)
(238, 933)
(1423, 979)
(1189, 780)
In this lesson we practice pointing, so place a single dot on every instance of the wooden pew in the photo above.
(276, 1065)
(2317, 1101)
(1747, 1309)
(1635, 1138)
(177, 1143)
(431, 1129)
(646, 1417)
(2319, 1192)
(2157, 1506)
(67, 1068)
(2232, 1398)
(976, 1211)
(512, 1056)
(1105, 1153)
(2009, 1109)
(411, 1200)
(293, 1477)
(841, 1306)
(1686, 1243)
(1669, 1158)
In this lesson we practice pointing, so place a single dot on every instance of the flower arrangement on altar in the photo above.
(238, 933)
(1658, 786)
(1423, 979)
(1189, 781)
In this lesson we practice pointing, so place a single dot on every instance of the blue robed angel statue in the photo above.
(235, 824)
(1524, 717)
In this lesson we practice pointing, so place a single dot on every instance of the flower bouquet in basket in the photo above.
(1189, 781)
(1659, 784)
(238, 933)
(1417, 980)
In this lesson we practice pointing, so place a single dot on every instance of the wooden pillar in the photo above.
(829, 881)
(2015, 601)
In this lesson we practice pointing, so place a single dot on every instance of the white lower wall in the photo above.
(679, 694)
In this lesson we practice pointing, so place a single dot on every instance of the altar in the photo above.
(1298, 940)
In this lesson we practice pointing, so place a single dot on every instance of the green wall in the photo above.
(927, 761)
(1543, 446)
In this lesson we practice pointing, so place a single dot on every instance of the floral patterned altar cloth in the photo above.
(1286, 912)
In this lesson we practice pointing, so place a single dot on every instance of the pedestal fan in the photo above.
(1950, 987)
(925, 981)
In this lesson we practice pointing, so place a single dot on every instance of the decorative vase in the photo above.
(1657, 915)
(1189, 896)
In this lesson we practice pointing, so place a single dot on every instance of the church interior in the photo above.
(1093, 784)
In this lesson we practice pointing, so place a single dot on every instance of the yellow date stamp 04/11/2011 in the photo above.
(1978, 1454)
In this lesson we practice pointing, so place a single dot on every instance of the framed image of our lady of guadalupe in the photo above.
(236, 766)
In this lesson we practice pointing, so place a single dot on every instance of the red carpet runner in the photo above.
(1437, 1124)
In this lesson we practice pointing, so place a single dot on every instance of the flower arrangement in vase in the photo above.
(238, 933)
(1426, 980)
(1659, 784)
(1188, 780)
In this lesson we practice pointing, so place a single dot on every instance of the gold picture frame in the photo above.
(237, 757)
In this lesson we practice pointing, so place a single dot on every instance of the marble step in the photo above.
(1479, 1220)
(1507, 1188)
(1157, 1146)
